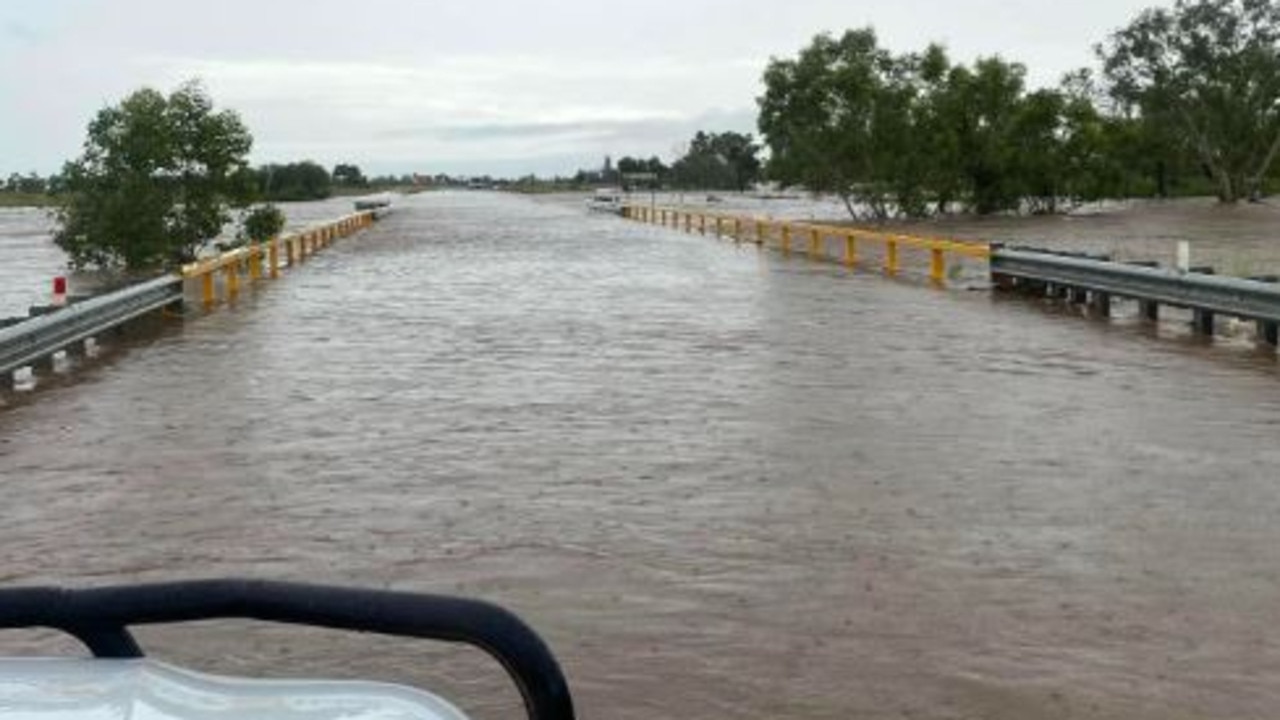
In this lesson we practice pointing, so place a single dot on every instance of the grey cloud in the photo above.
(474, 84)
(641, 129)
(21, 32)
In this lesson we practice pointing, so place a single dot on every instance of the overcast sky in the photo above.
(473, 86)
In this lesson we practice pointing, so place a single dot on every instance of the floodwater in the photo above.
(1240, 240)
(721, 483)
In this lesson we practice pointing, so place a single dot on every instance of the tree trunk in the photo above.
(1261, 171)
(1226, 189)
(848, 205)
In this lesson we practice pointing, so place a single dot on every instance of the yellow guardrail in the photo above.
(815, 236)
(247, 262)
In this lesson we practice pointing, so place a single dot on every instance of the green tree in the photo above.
(155, 182)
(296, 181)
(982, 105)
(348, 175)
(1209, 71)
(818, 117)
(719, 161)
(262, 223)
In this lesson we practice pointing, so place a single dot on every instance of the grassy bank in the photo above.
(17, 199)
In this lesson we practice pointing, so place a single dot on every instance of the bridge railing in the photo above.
(234, 266)
(1098, 281)
(854, 247)
(45, 336)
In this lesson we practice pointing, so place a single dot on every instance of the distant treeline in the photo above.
(274, 182)
(307, 180)
(1186, 102)
(712, 161)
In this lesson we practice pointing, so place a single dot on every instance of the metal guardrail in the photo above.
(1237, 297)
(42, 336)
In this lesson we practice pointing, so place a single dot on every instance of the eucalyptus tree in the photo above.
(1210, 71)
(817, 117)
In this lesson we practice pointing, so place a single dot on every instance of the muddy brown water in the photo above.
(721, 483)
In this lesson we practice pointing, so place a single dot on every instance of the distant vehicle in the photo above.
(121, 683)
(608, 200)
(372, 203)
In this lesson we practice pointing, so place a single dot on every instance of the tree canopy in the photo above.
(305, 180)
(155, 182)
(719, 161)
(349, 175)
(1209, 71)
(909, 134)
(1186, 95)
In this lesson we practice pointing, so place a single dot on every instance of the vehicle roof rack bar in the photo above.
(100, 617)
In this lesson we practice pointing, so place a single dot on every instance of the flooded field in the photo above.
(722, 484)
(1236, 240)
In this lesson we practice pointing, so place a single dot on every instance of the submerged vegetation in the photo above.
(1188, 100)
(157, 179)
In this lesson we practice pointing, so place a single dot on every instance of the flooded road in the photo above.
(722, 484)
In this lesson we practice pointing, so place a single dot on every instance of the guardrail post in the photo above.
(688, 222)
(937, 265)
(737, 229)
(255, 262)
(815, 242)
(785, 233)
(232, 271)
(719, 229)
(273, 257)
(1149, 310)
(702, 224)
(760, 233)
(851, 249)
(207, 295)
(1102, 303)
(1202, 322)
(1078, 296)
(1269, 332)
(891, 256)
(664, 218)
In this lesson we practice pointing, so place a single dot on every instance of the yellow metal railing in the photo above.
(235, 266)
(817, 239)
